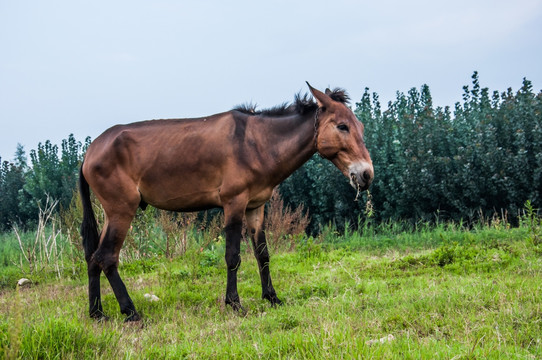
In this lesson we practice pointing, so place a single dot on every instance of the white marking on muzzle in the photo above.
(361, 175)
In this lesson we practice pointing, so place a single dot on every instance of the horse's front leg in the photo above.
(257, 234)
(233, 227)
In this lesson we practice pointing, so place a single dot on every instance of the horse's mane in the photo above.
(302, 104)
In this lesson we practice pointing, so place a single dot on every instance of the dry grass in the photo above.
(282, 224)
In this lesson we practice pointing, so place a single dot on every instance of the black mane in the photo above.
(339, 95)
(302, 104)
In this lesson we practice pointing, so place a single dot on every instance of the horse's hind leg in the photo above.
(91, 240)
(107, 257)
(95, 302)
(257, 234)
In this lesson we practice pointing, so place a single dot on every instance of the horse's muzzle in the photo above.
(361, 175)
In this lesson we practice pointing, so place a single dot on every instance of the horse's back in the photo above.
(174, 164)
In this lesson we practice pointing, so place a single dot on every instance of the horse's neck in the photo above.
(292, 139)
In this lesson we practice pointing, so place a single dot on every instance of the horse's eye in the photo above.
(343, 127)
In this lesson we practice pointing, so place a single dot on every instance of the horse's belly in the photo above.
(165, 199)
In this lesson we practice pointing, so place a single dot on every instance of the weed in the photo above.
(533, 222)
(211, 227)
(209, 257)
(45, 250)
(309, 248)
(177, 228)
(283, 224)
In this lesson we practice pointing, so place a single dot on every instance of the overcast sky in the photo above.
(79, 67)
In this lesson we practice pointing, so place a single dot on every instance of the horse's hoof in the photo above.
(236, 306)
(99, 316)
(273, 299)
(133, 318)
(241, 311)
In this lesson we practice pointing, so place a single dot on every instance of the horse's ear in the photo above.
(322, 99)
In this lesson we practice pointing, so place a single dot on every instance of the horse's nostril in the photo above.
(367, 175)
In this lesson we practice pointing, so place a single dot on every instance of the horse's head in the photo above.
(339, 138)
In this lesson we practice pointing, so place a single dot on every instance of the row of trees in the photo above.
(482, 157)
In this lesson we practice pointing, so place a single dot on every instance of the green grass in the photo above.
(442, 293)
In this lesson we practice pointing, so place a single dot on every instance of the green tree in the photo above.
(11, 182)
(53, 176)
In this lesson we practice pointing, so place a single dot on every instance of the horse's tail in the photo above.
(89, 227)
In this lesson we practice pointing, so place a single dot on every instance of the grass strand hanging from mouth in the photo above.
(358, 187)
(369, 208)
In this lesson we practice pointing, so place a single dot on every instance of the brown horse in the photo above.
(231, 160)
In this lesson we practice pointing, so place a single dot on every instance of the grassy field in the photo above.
(432, 293)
